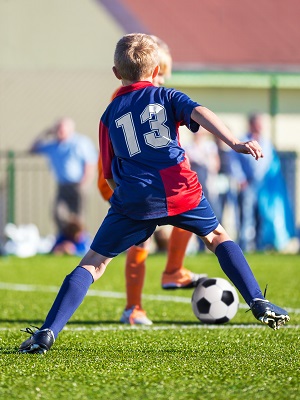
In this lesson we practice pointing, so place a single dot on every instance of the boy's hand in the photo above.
(252, 147)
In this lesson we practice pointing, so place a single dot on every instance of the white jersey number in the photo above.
(159, 136)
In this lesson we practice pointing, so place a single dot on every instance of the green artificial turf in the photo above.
(177, 358)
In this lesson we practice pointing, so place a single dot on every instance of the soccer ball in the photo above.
(215, 301)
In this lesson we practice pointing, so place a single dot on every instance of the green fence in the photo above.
(26, 190)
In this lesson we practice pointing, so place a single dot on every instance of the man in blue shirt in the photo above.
(250, 177)
(73, 160)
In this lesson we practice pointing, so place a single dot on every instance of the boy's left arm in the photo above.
(211, 122)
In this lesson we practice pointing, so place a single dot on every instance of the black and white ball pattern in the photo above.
(215, 301)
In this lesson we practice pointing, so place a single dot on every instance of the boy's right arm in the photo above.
(211, 122)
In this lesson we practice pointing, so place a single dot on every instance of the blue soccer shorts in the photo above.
(119, 232)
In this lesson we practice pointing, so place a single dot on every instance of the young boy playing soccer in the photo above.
(153, 185)
(174, 276)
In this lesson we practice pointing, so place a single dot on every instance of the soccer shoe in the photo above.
(135, 316)
(181, 279)
(40, 341)
(268, 313)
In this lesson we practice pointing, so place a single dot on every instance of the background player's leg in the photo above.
(135, 275)
(175, 276)
(178, 242)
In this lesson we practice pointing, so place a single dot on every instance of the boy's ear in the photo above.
(115, 71)
(155, 72)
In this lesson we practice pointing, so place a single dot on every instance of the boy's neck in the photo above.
(128, 83)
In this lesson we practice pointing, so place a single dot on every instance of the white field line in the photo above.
(197, 325)
(19, 287)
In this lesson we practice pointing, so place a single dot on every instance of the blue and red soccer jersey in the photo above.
(141, 152)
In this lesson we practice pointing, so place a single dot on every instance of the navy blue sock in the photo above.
(235, 266)
(68, 299)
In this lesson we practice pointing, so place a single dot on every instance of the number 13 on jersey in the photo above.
(159, 134)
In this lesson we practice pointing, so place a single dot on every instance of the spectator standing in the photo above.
(227, 188)
(265, 214)
(73, 160)
(205, 161)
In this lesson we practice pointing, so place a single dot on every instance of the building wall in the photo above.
(56, 60)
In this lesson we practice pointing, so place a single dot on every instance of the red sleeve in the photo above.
(106, 150)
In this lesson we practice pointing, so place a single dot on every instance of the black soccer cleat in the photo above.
(268, 313)
(40, 341)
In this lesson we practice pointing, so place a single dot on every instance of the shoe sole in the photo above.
(34, 349)
(191, 285)
(136, 322)
(174, 286)
(272, 320)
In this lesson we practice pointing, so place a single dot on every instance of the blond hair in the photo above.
(136, 56)
(165, 58)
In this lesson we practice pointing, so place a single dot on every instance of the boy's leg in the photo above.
(175, 276)
(68, 299)
(202, 221)
(235, 266)
(116, 234)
